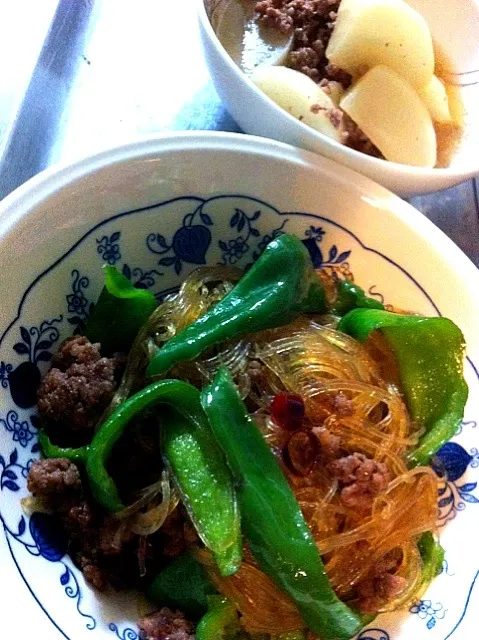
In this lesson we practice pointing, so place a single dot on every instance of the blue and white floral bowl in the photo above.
(157, 210)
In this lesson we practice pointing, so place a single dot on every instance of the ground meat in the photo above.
(166, 625)
(306, 60)
(373, 593)
(78, 387)
(336, 117)
(53, 476)
(273, 15)
(330, 443)
(78, 516)
(353, 137)
(312, 22)
(93, 574)
(99, 545)
(336, 74)
(90, 533)
(76, 349)
(361, 479)
(97, 542)
(284, 14)
(342, 405)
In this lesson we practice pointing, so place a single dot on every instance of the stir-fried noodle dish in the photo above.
(254, 452)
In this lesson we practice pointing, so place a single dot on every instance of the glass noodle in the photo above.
(310, 358)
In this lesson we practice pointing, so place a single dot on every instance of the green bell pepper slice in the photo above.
(281, 285)
(78, 455)
(350, 296)
(272, 521)
(432, 554)
(198, 466)
(430, 355)
(184, 585)
(220, 623)
(120, 312)
(205, 485)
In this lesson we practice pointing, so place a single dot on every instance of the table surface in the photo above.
(87, 74)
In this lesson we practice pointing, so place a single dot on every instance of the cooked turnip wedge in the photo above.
(368, 33)
(434, 96)
(298, 95)
(393, 116)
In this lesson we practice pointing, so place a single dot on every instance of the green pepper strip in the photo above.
(281, 285)
(271, 518)
(432, 554)
(201, 473)
(430, 356)
(49, 450)
(183, 585)
(220, 623)
(205, 483)
(349, 296)
(120, 312)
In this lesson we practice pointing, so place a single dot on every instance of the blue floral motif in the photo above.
(10, 472)
(141, 279)
(445, 568)
(475, 458)
(336, 262)
(48, 541)
(5, 371)
(126, 634)
(374, 634)
(429, 612)
(265, 240)
(35, 344)
(189, 244)
(109, 249)
(21, 430)
(235, 248)
(77, 303)
(450, 464)
(466, 423)
(69, 581)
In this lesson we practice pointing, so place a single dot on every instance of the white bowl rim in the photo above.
(25, 198)
(369, 161)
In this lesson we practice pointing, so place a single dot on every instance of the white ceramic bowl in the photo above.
(455, 28)
(195, 189)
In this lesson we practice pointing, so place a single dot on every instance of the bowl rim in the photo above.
(371, 162)
(23, 201)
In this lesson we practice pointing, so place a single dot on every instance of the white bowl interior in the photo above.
(58, 231)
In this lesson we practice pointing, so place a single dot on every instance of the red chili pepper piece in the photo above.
(300, 452)
(287, 410)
